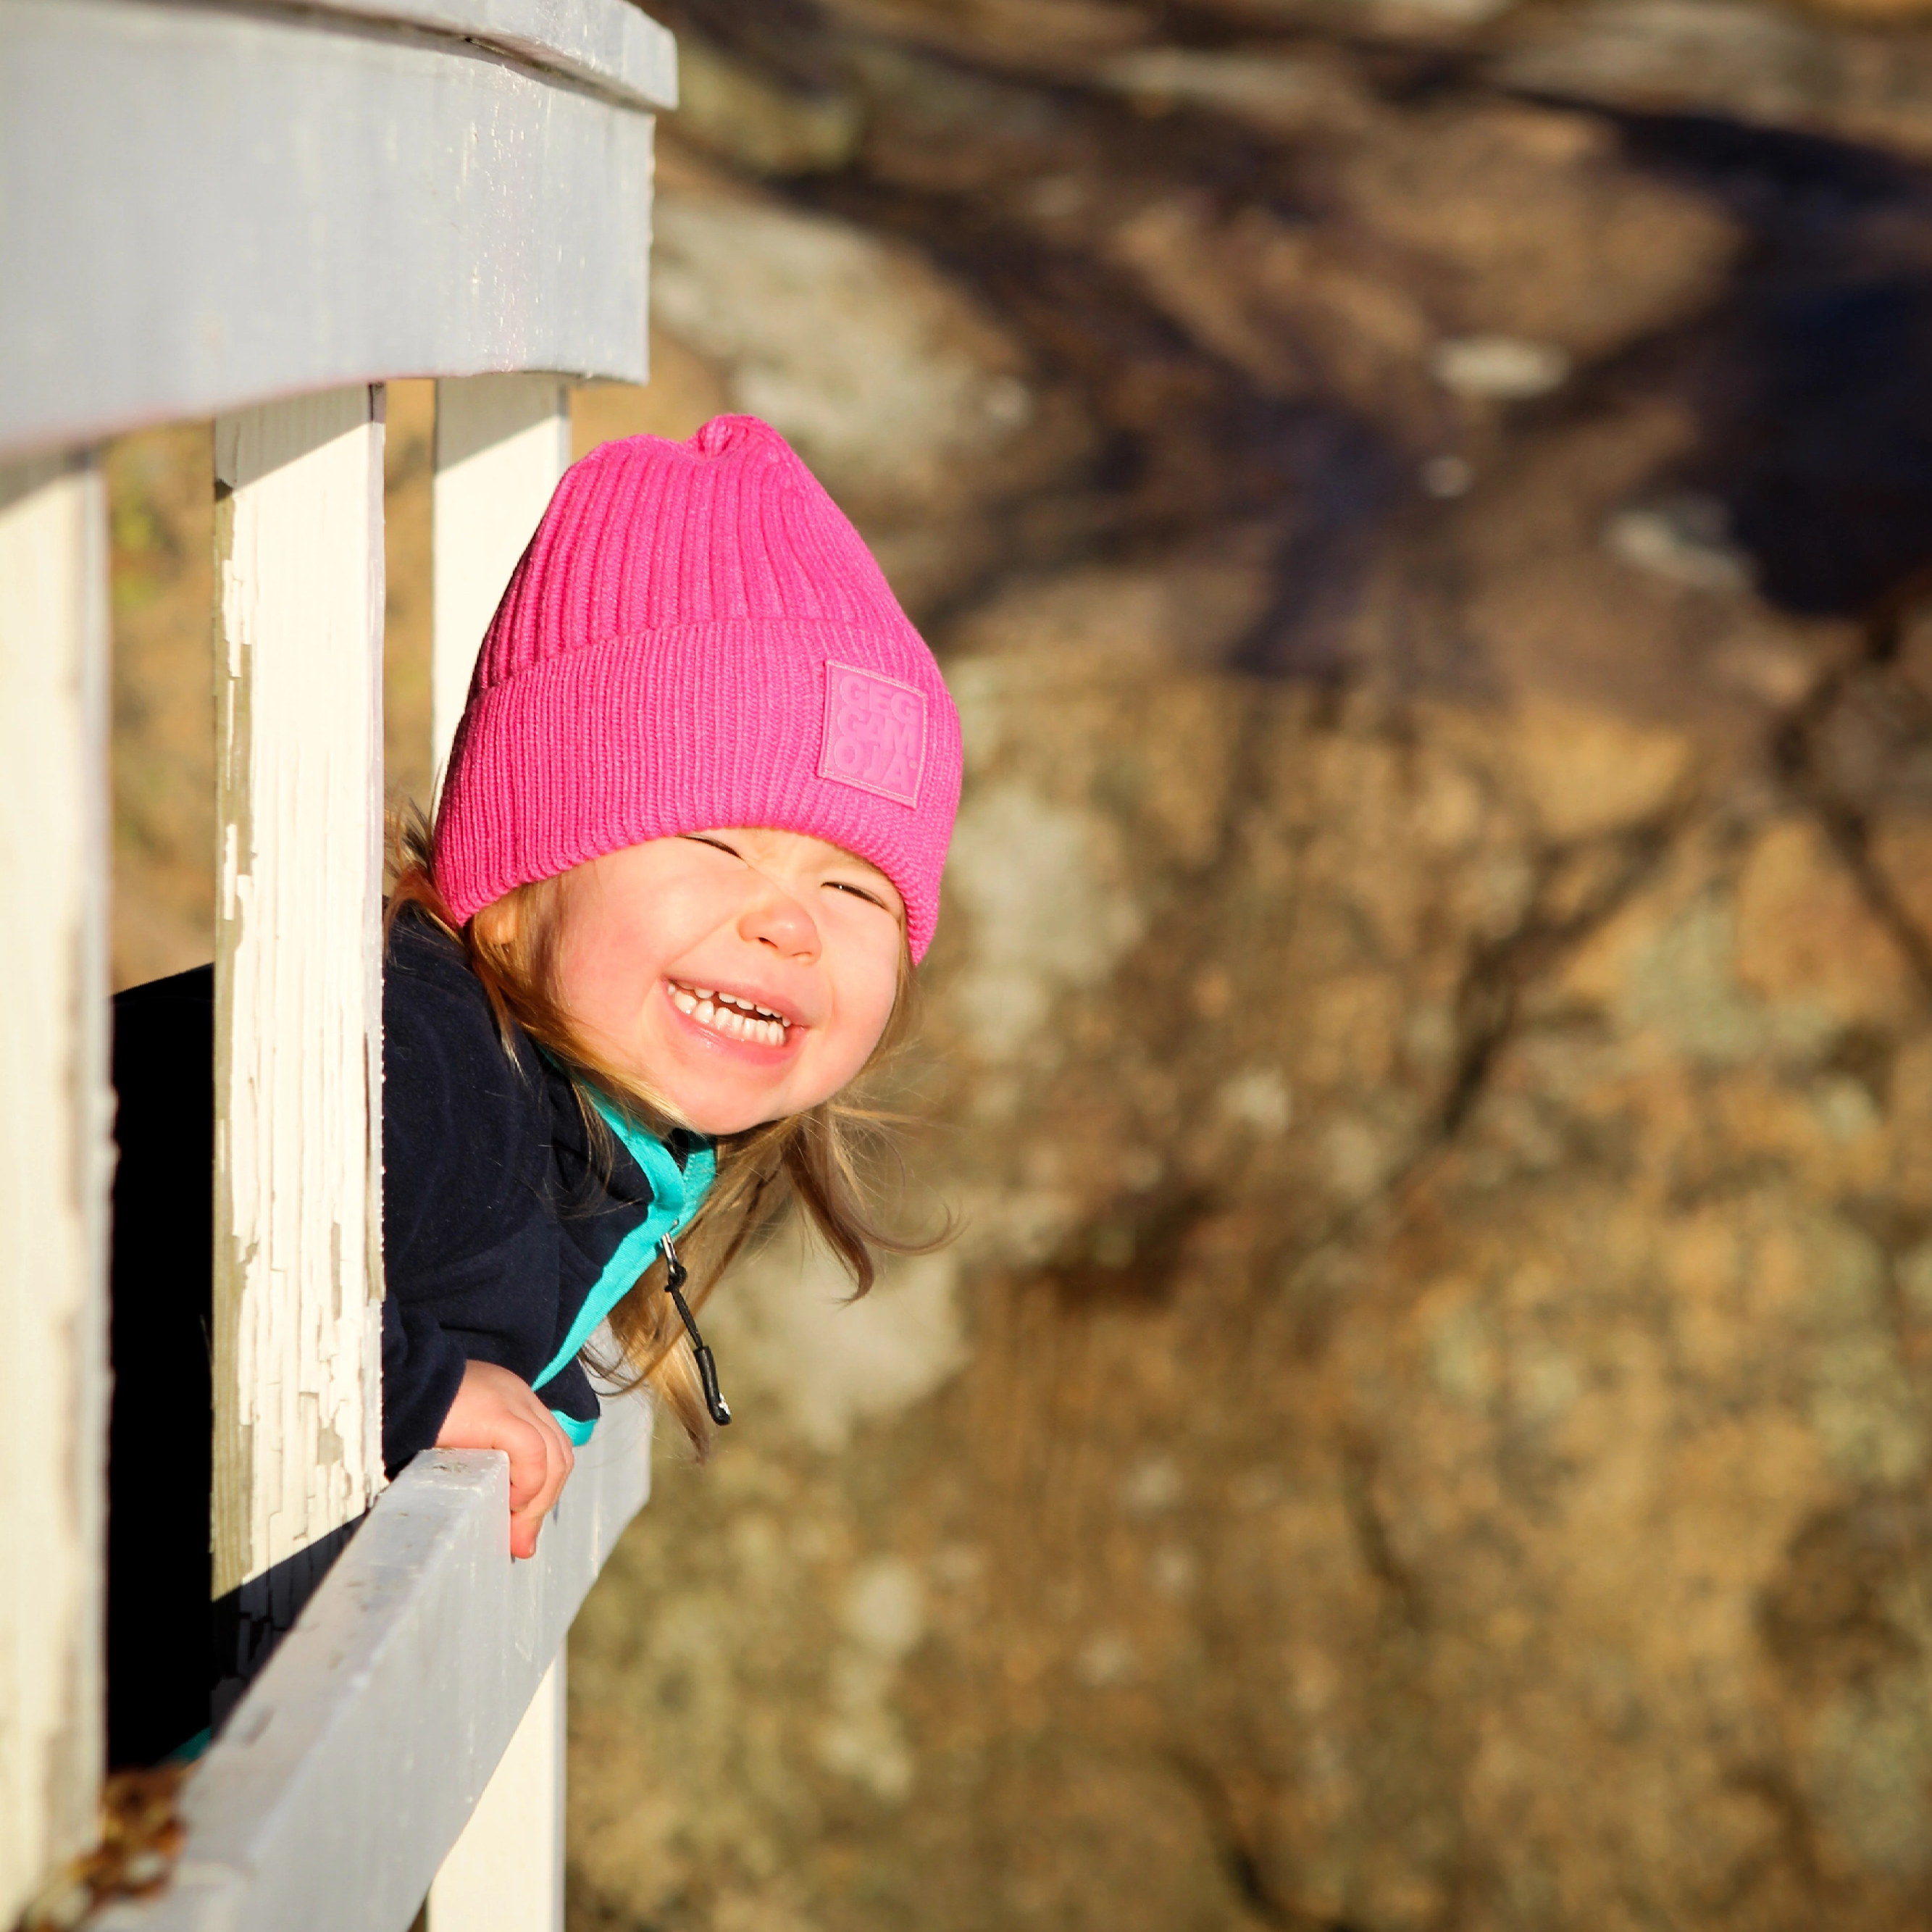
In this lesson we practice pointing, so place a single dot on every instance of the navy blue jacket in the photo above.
(504, 1233)
(504, 1239)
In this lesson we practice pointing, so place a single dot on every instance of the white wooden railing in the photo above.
(259, 215)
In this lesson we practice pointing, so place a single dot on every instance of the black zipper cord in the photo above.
(675, 1277)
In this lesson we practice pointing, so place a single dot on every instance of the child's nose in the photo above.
(775, 919)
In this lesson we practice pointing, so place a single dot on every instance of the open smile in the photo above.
(734, 1015)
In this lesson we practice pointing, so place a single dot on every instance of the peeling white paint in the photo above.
(298, 988)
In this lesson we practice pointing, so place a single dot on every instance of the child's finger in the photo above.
(524, 1442)
(526, 1518)
(523, 1528)
(559, 1459)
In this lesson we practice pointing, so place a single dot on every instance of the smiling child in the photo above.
(687, 857)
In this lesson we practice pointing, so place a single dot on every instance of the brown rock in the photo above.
(730, 108)
(1586, 773)
(1806, 935)
(1528, 225)
(1752, 63)
(890, 381)
(1901, 854)
(1048, 34)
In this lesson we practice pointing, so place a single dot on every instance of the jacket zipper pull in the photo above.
(675, 1277)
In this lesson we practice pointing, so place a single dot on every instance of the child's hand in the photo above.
(494, 1409)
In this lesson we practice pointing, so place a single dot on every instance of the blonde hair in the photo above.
(819, 1159)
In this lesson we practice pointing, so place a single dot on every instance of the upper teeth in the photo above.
(731, 1014)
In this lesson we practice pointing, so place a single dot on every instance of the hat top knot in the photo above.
(725, 436)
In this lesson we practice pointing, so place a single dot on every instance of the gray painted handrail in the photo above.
(605, 43)
(346, 1772)
(205, 207)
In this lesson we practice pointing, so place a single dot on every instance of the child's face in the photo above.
(653, 938)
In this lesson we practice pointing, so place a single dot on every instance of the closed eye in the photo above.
(716, 844)
(858, 892)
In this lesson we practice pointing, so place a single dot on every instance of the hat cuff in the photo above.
(649, 735)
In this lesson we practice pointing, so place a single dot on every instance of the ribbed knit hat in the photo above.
(696, 637)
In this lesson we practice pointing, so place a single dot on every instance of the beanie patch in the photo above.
(874, 732)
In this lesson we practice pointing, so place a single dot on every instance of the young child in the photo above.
(687, 857)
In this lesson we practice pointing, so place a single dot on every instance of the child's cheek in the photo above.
(605, 974)
(872, 1006)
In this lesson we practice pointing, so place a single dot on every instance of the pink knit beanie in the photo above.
(697, 637)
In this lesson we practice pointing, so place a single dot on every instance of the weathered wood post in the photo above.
(298, 1273)
(55, 1162)
(505, 1872)
(502, 442)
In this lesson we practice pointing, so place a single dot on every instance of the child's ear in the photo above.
(496, 923)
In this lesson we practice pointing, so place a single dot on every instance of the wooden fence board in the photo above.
(349, 1770)
(502, 442)
(505, 1872)
(55, 1162)
(297, 1276)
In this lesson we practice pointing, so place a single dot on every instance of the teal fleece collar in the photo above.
(677, 1195)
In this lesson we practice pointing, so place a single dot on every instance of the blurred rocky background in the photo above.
(1427, 506)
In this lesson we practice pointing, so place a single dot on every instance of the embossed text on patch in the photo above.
(874, 732)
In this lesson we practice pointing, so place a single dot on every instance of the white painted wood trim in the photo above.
(202, 207)
(55, 1163)
(502, 442)
(603, 43)
(297, 1270)
(348, 1771)
(505, 1872)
